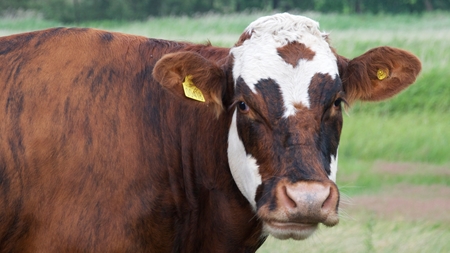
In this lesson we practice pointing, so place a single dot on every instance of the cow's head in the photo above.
(289, 88)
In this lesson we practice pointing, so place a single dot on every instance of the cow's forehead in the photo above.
(265, 54)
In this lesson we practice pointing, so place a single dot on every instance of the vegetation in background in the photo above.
(68, 11)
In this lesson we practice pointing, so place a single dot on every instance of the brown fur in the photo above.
(206, 75)
(359, 75)
(91, 151)
(244, 36)
(295, 51)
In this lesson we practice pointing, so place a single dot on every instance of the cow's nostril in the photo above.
(329, 202)
(285, 199)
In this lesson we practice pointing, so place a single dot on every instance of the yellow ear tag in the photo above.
(382, 74)
(191, 91)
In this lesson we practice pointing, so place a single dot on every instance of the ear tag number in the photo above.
(191, 91)
(382, 74)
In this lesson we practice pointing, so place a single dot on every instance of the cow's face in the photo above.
(286, 126)
(287, 117)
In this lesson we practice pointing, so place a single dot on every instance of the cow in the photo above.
(119, 143)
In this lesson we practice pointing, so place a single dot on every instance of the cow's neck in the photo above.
(208, 199)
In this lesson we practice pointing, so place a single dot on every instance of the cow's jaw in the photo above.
(283, 231)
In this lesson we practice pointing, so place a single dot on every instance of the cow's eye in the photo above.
(243, 107)
(338, 102)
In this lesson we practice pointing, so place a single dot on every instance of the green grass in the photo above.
(360, 177)
(367, 234)
(383, 22)
(415, 137)
(22, 21)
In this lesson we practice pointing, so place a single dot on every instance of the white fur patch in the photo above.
(257, 58)
(333, 168)
(243, 167)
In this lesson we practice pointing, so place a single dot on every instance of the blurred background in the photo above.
(88, 10)
(394, 156)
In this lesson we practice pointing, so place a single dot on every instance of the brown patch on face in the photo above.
(299, 106)
(245, 36)
(323, 90)
(294, 51)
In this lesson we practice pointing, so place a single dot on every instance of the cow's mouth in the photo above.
(285, 230)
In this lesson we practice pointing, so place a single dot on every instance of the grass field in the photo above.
(394, 166)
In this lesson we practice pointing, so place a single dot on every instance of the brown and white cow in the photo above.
(101, 151)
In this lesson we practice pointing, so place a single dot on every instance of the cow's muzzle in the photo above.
(300, 207)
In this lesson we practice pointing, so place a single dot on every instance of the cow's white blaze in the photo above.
(243, 167)
(257, 58)
(333, 168)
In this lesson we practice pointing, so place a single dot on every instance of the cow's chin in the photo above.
(289, 230)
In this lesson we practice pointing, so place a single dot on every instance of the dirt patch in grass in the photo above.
(405, 168)
(405, 201)
(408, 202)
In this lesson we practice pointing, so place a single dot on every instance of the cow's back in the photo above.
(74, 145)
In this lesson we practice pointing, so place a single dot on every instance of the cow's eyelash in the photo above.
(342, 98)
(233, 105)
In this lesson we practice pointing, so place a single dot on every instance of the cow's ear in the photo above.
(191, 76)
(378, 74)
